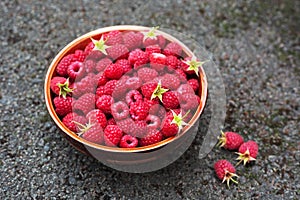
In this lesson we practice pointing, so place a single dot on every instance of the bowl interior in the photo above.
(80, 43)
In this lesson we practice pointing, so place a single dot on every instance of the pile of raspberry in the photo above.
(127, 89)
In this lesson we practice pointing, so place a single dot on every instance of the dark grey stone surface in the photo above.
(255, 45)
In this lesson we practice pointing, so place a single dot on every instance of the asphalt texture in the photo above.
(254, 43)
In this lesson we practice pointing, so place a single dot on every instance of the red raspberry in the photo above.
(92, 133)
(160, 40)
(185, 89)
(194, 84)
(148, 89)
(230, 140)
(119, 92)
(112, 135)
(111, 121)
(153, 122)
(189, 101)
(125, 65)
(225, 171)
(117, 51)
(138, 58)
(95, 55)
(158, 61)
(173, 49)
(113, 71)
(132, 40)
(109, 87)
(85, 103)
(119, 110)
(248, 152)
(100, 91)
(153, 49)
(159, 111)
(138, 111)
(154, 136)
(150, 103)
(126, 125)
(147, 74)
(97, 116)
(60, 86)
(170, 100)
(69, 119)
(102, 64)
(89, 66)
(172, 62)
(133, 96)
(89, 48)
(79, 56)
(128, 141)
(181, 75)
(85, 85)
(63, 65)
(168, 128)
(104, 103)
(76, 70)
(63, 105)
(170, 81)
(133, 83)
(102, 80)
(113, 37)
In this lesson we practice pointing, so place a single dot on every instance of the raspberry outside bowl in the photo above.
(138, 159)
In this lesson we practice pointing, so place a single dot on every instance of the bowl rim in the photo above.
(70, 45)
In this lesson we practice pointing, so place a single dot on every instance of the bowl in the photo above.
(139, 159)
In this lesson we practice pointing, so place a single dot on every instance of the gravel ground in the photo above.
(255, 45)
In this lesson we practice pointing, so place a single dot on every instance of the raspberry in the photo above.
(157, 61)
(181, 75)
(138, 110)
(185, 89)
(109, 87)
(154, 136)
(100, 91)
(225, 171)
(89, 48)
(85, 85)
(91, 132)
(85, 103)
(76, 70)
(148, 89)
(153, 49)
(138, 58)
(173, 49)
(60, 86)
(191, 65)
(117, 51)
(63, 105)
(89, 66)
(69, 119)
(133, 83)
(119, 92)
(189, 101)
(248, 152)
(153, 122)
(102, 64)
(147, 74)
(95, 55)
(104, 103)
(150, 103)
(128, 141)
(79, 56)
(132, 40)
(151, 38)
(194, 84)
(102, 80)
(111, 121)
(126, 125)
(112, 135)
(119, 110)
(170, 100)
(133, 96)
(97, 116)
(170, 81)
(230, 140)
(125, 65)
(113, 71)
(113, 37)
(168, 128)
(63, 65)
(172, 62)
(159, 111)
